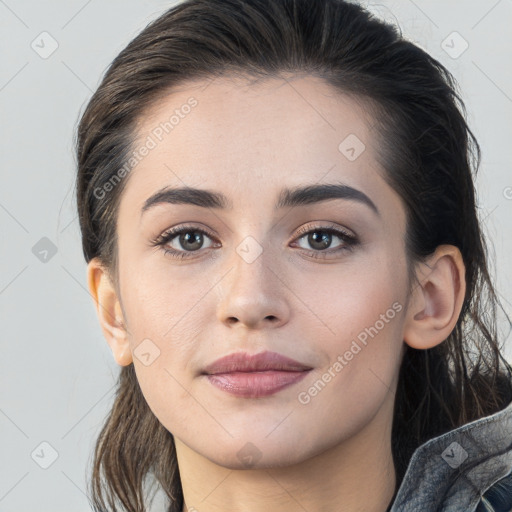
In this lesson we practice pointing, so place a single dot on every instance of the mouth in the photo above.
(254, 376)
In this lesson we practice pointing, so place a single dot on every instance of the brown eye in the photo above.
(325, 242)
(177, 242)
(191, 240)
(319, 240)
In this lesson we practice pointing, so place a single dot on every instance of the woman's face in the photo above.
(320, 279)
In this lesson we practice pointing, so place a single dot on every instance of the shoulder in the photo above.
(468, 468)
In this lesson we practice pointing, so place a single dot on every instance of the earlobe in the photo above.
(108, 308)
(437, 298)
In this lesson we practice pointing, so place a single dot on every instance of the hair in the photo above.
(430, 157)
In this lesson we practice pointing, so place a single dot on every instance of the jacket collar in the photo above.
(451, 472)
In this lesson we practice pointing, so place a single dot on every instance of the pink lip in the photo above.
(253, 376)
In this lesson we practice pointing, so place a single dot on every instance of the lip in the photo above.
(253, 376)
(244, 362)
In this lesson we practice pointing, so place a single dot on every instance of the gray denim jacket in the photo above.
(468, 469)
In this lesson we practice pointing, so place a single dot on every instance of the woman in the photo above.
(278, 213)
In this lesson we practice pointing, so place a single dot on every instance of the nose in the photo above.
(253, 293)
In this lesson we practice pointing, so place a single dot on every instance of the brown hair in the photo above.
(429, 154)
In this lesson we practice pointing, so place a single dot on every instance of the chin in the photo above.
(250, 453)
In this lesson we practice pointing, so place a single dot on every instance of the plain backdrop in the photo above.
(57, 372)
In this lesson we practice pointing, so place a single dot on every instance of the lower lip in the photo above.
(255, 384)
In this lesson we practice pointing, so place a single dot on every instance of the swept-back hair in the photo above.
(430, 157)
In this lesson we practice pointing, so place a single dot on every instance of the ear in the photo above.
(437, 298)
(109, 311)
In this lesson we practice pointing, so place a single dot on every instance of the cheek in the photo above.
(163, 334)
(163, 340)
(358, 327)
(336, 309)
(163, 306)
(357, 302)
(362, 356)
(348, 314)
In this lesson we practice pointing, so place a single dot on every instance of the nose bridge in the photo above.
(252, 292)
(252, 264)
(258, 247)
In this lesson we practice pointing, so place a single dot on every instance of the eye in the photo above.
(182, 242)
(177, 242)
(320, 239)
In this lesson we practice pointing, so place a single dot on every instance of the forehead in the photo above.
(249, 139)
(230, 110)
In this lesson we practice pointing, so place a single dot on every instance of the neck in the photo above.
(354, 476)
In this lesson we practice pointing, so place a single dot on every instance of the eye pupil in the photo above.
(196, 240)
(324, 240)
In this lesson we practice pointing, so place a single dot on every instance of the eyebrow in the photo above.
(288, 197)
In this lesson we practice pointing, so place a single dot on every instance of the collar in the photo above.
(452, 471)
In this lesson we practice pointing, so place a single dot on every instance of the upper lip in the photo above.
(245, 362)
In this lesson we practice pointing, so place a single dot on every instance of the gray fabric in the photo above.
(451, 472)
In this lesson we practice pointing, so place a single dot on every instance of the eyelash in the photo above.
(349, 240)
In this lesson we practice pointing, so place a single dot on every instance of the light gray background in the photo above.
(57, 372)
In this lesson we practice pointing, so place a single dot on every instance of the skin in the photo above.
(248, 141)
